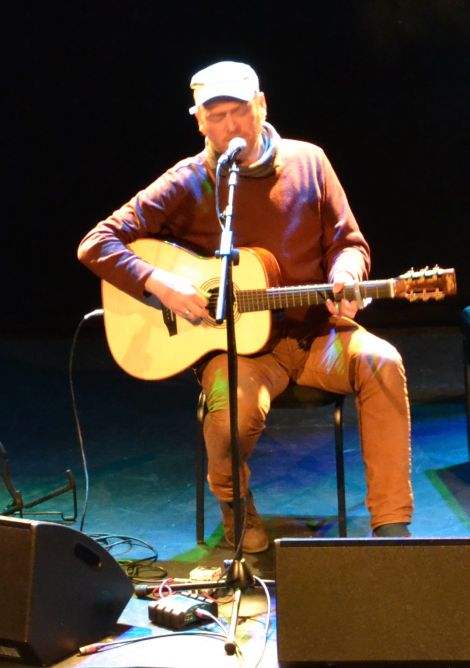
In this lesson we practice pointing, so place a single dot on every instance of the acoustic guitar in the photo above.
(150, 342)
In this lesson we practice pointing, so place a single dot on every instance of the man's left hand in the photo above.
(343, 307)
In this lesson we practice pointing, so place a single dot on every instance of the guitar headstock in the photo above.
(425, 284)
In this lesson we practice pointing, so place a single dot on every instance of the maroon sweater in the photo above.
(299, 213)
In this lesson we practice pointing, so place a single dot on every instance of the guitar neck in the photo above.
(310, 295)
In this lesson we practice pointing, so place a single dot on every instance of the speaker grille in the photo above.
(348, 600)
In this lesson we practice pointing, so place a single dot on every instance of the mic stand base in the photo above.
(241, 578)
(238, 578)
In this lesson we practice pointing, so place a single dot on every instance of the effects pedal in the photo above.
(178, 611)
(205, 574)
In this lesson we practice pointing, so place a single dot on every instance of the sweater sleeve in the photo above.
(345, 248)
(104, 249)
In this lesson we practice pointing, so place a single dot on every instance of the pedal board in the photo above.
(178, 611)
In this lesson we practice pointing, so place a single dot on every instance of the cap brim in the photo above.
(202, 97)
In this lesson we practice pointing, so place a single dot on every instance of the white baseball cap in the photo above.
(224, 79)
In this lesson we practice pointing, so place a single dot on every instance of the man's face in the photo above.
(221, 121)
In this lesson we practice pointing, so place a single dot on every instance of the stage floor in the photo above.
(137, 440)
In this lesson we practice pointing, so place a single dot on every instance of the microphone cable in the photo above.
(92, 314)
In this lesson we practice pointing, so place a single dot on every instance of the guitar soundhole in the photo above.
(212, 287)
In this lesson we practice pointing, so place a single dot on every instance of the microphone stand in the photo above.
(238, 576)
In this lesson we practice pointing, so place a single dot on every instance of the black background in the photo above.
(95, 106)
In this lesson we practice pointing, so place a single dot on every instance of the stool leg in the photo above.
(200, 469)
(466, 362)
(340, 481)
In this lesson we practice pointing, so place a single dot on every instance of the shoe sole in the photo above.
(246, 551)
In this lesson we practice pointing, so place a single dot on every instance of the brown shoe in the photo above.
(254, 535)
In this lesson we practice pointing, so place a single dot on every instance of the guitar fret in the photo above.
(285, 297)
(309, 295)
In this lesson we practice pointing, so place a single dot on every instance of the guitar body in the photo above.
(144, 345)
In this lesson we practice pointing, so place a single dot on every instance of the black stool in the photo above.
(295, 397)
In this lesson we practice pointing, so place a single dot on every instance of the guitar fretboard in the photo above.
(309, 295)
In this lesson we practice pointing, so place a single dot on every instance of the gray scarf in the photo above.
(262, 167)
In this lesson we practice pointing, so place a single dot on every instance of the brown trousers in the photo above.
(343, 358)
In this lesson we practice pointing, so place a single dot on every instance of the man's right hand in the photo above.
(178, 294)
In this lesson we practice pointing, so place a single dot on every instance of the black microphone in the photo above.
(235, 146)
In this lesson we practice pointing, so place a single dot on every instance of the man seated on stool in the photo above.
(290, 202)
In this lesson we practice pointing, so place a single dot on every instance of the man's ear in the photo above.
(262, 104)
(201, 123)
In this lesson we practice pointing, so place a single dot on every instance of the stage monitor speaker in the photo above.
(373, 601)
(59, 590)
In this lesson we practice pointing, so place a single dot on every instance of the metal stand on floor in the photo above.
(237, 576)
(18, 505)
